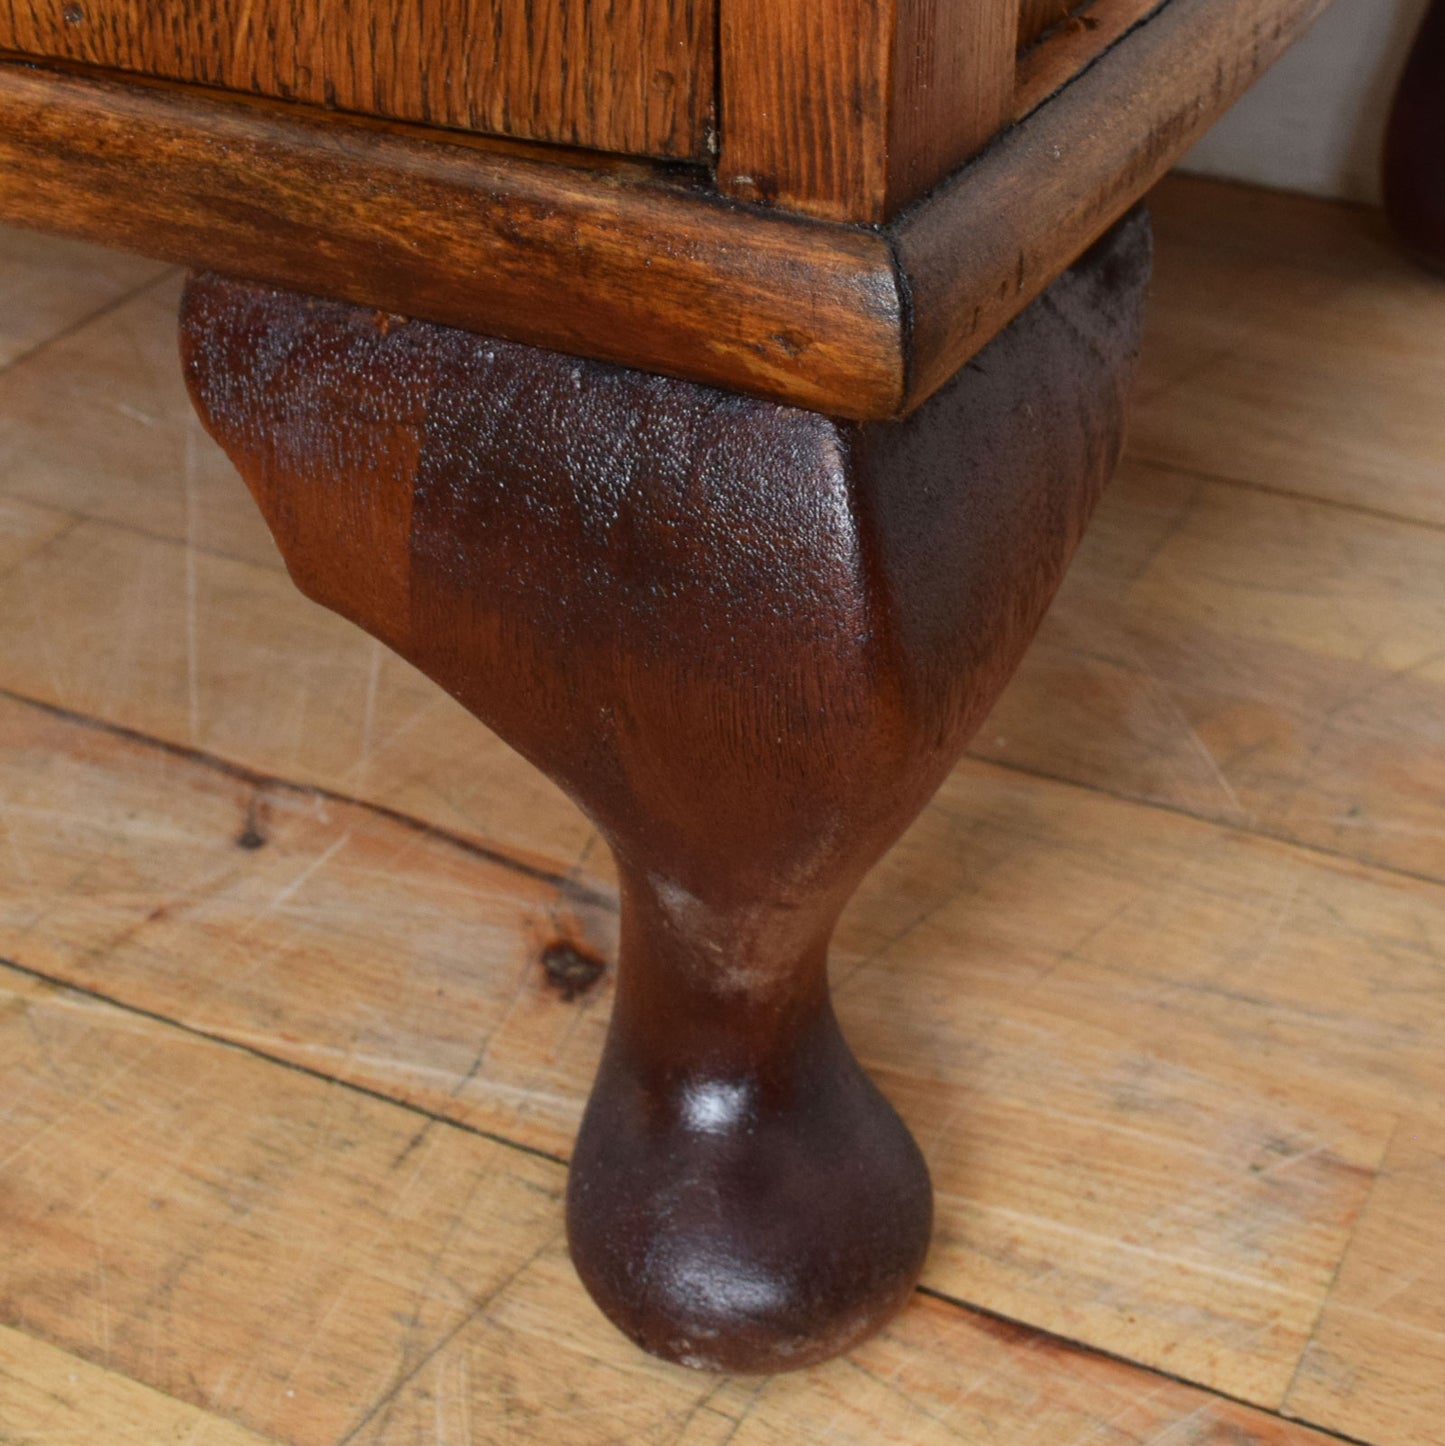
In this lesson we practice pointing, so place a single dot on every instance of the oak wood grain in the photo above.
(653, 275)
(628, 76)
(849, 109)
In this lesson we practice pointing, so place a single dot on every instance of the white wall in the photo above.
(1315, 122)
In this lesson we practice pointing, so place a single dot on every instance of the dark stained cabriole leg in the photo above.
(1414, 174)
(750, 641)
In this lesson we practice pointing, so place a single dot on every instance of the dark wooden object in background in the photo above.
(1415, 146)
(632, 75)
(750, 641)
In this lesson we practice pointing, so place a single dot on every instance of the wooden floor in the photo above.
(1158, 980)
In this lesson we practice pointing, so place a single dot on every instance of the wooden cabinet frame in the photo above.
(630, 263)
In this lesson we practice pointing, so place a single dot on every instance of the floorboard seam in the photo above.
(108, 308)
(1329, 1289)
(1267, 835)
(931, 1292)
(1072, 1343)
(196, 1032)
(560, 879)
(928, 1291)
(565, 881)
(1246, 484)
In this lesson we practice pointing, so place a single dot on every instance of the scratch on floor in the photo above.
(1172, 1430)
(193, 670)
(362, 767)
(1104, 1429)
(289, 890)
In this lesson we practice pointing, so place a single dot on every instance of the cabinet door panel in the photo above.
(631, 75)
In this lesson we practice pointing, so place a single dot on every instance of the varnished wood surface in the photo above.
(633, 76)
(1035, 17)
(975, 253)
(651, 275)
(741, 1196)
(849, 109)
(659, 275)
(1189, 1111)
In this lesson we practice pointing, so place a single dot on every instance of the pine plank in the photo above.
(264, 1245)
(320, 1266)
(223, 655)
(1295, 347)
(1376, 1365)
(26, 529)
(1265, 661)
(1133, 1184)
(132, 451)
(321, 932)
(49, 1397)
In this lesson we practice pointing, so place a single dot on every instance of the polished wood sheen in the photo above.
(854, 322)
(631, 75)
(986, 241)
(617, 265)
(750, 641)
(850, 109)
(1414, 173)
(1175, 727)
